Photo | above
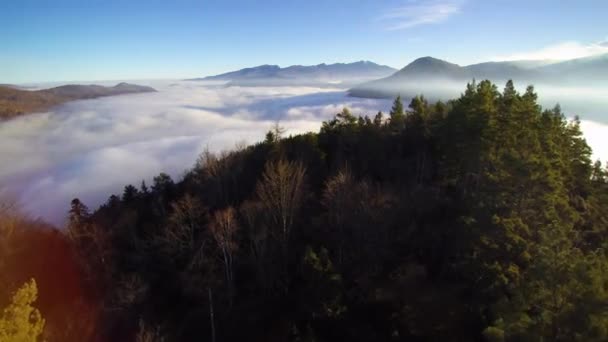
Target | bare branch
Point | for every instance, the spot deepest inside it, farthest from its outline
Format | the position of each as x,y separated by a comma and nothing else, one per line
281,191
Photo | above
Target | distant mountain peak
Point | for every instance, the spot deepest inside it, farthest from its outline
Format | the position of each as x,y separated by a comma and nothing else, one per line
429,61
267,66
431,67
320,74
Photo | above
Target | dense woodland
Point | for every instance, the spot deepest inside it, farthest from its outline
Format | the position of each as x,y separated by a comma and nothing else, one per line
478,219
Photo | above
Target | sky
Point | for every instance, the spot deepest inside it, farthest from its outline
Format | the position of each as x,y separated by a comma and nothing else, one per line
88,40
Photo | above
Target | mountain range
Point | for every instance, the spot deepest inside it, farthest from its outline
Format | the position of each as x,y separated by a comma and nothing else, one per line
435,78
338,74
430,76
440,78
15,101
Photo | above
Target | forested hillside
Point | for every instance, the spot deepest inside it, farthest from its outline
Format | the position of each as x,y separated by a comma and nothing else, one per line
479,219
15,102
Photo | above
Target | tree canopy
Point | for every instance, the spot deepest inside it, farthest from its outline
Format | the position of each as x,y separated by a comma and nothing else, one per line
482,218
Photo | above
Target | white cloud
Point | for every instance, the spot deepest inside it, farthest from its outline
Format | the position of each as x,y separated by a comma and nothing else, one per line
596,135
91,149
421,13
558,52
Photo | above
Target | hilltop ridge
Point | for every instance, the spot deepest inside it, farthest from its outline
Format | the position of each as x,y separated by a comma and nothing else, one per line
15,102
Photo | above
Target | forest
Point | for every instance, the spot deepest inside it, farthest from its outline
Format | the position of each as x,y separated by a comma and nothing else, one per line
482,218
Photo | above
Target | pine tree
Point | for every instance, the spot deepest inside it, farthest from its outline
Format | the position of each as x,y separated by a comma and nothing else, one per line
397,114
345,117
144,188
129,194
78,214
379,119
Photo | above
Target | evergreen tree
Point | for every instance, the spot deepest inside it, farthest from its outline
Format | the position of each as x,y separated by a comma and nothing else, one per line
379,119
397,114
129,194
270,138
162,183
346,118
144,188
78,214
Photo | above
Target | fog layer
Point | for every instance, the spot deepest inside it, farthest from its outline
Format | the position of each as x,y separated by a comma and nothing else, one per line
92,148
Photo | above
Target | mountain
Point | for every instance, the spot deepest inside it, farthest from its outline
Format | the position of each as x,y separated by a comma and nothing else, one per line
430,68
438,79
501,71
262,71
321,74
588,69
422,74
15,102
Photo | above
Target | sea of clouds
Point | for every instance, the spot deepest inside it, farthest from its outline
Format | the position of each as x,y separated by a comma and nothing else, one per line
91,149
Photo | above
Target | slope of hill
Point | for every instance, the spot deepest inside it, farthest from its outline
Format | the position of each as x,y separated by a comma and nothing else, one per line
589,69
15,102
430,68
421,74
441,79
501,71
262,71
338,73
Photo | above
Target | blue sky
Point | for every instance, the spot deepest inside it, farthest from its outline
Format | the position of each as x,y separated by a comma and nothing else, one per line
85,40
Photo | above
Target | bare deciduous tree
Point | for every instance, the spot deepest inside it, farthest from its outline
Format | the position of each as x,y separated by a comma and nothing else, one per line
257,231
220,173
278,130
224,228
182,236
337,196
258,237
339,200
146,333
281,192
130,291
